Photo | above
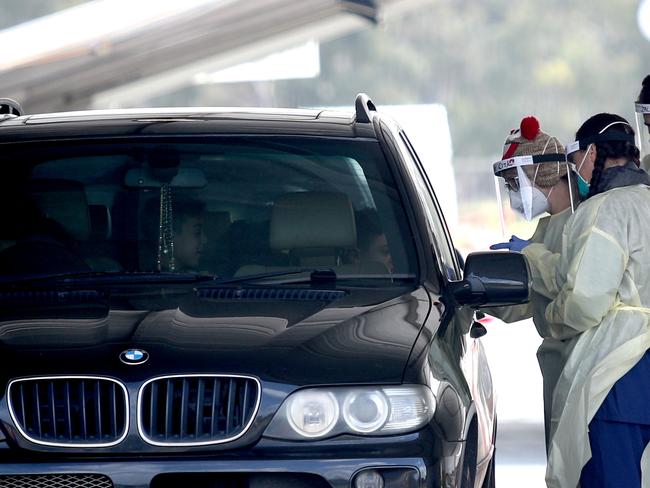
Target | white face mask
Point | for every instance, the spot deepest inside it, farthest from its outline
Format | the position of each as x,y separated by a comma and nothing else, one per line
538,202
515,202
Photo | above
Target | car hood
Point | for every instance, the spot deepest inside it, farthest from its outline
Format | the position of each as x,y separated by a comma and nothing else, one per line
363,337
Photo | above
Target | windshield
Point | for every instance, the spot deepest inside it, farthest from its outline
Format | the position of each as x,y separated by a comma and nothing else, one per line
225,207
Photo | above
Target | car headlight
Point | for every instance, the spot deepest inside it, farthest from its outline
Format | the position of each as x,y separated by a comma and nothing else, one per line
365,411
312,414
316,413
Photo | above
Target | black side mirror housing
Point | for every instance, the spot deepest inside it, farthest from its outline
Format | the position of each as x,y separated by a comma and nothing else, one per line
493,279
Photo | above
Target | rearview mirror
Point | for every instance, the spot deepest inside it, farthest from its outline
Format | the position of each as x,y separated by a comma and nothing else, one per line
145,177
493,279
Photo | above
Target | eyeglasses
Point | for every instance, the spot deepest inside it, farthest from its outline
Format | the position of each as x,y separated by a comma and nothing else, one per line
512,183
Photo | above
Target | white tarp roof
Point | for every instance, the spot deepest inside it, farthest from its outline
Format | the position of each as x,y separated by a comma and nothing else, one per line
112,52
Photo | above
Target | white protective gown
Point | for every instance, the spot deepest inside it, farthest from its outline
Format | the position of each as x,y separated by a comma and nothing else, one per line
601,286
552,353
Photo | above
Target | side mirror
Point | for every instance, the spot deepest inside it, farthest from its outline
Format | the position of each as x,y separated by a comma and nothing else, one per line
493,279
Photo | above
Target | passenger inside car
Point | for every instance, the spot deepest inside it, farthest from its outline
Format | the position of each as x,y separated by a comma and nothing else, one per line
371,240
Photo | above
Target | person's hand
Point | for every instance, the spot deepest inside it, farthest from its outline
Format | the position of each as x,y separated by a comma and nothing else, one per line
514,244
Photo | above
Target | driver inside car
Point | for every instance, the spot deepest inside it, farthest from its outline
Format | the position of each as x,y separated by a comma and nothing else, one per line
189,237
42,245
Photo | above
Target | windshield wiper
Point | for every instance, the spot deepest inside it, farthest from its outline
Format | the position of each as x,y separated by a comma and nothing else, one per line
106,277
350,278
316,275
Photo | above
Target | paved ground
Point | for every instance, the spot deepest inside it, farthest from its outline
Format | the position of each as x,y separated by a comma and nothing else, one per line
520,439
520,455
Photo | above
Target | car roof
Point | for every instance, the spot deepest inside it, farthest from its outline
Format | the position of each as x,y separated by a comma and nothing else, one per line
184,121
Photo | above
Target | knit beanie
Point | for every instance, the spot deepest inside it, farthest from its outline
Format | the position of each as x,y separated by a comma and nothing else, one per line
644,94
529,140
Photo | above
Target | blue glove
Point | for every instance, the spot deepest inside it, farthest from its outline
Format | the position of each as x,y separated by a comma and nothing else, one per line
514,244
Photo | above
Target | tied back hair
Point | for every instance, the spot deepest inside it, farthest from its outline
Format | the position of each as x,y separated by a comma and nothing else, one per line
607,149
644,94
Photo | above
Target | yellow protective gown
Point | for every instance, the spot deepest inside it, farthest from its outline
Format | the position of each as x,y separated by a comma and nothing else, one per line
552,353
602,306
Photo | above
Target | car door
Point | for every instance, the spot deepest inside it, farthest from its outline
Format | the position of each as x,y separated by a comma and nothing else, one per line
473,361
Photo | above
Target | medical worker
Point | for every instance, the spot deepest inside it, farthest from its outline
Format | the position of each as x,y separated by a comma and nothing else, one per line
538,181
600,423
642,109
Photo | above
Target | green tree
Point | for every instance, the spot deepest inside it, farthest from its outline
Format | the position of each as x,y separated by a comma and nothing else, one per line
490,63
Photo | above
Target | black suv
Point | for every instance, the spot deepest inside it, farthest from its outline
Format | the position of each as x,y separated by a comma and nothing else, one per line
237,298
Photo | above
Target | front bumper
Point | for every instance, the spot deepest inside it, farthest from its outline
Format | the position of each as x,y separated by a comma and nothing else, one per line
303,473
416,460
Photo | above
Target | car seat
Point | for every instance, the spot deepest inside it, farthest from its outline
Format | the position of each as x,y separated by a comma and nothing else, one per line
216,252
313,229
64,202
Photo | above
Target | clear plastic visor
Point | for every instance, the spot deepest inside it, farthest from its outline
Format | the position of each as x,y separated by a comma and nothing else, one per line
643,133
522,188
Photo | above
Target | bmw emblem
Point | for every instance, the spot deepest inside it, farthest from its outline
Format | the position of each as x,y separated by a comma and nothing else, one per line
134,356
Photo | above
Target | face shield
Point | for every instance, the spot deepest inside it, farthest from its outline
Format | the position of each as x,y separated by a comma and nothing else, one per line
576,164
643,133
524,184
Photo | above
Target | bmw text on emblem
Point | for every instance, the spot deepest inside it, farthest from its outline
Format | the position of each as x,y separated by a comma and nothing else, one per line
134,356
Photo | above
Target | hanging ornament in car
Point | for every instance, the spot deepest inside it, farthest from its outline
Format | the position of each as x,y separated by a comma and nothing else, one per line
165,259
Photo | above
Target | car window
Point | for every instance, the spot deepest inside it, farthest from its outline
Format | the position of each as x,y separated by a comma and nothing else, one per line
225,206
447,250
443,248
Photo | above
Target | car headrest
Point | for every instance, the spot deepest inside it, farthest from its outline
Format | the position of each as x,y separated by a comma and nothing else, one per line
101,226
63,201
305,220
216,224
